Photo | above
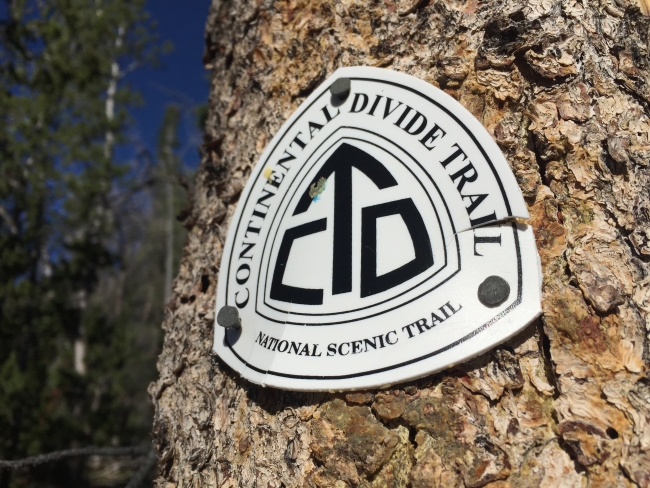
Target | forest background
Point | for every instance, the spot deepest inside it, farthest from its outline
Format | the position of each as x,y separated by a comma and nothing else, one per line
100,122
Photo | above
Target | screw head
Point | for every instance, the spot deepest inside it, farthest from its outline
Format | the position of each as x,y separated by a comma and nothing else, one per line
493,291
340,89
228,317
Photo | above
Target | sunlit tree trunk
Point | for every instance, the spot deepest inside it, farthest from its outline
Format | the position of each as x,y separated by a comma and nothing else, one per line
563,88
80,345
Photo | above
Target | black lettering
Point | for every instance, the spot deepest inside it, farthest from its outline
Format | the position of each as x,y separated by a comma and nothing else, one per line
260,201
314,127
242,304
374,104
416,117
462,174
381,341
435,133
257,213
407,328
372,284
453,310
294,347
364,103
260,336
442,309
286,346
298,141
341,349
407,109
265,342
356,347
249,246
276,179
326,112
250,228
247,272
454,155
387,110
331,350
372,344
341,162
288,293
313,353
482,220
273,344
475,201
285,159
422,325
435,319
304,351
388,337
264,197
485,240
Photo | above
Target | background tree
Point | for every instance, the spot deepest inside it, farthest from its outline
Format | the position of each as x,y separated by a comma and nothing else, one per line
129,300
563,88
70,369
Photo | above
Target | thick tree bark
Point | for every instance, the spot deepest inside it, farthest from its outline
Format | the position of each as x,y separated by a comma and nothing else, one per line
563,88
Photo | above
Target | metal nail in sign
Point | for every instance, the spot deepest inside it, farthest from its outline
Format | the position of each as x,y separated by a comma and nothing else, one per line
374,242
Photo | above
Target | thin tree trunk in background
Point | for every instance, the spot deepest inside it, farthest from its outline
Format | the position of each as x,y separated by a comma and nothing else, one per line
80,342
563,88
111,91
169,236
168,139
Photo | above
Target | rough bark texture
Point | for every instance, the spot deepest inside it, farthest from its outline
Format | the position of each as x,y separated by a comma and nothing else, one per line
563,87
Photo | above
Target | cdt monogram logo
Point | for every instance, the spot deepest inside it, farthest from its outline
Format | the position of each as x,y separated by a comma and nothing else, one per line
374,242
341,163
357,234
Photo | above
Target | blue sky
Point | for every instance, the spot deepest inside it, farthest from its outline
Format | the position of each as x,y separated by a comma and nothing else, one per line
181,79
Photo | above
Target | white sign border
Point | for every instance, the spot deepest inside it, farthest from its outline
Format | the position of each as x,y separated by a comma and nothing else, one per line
515,208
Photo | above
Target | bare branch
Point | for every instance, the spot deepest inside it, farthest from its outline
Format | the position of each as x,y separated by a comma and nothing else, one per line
145,469
122,198
130,68
8,220
68,453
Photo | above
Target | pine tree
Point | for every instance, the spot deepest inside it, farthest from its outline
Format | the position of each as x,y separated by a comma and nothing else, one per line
129,301
63,108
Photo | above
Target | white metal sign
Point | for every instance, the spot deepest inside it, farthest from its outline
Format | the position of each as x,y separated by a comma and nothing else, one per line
374,242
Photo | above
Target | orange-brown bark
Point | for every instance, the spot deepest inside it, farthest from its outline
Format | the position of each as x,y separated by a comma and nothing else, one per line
563,88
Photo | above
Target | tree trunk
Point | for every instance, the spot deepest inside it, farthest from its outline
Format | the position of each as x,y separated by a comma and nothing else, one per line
563,88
